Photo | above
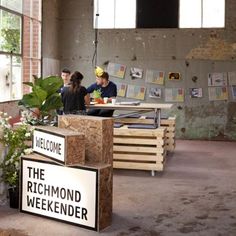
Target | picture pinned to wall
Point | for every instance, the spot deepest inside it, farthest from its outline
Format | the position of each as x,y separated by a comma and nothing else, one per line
218,93
121,89
196,92
136,92
174,95
136,73
155,93
217,79
155,77
174,76
233,88
232,78
116,70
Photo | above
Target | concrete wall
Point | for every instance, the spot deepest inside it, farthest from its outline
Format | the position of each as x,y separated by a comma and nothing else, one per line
191,52
50,37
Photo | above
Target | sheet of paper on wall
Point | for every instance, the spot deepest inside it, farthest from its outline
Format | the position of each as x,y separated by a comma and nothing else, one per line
233,88
136,73
174,76
155,77
116,70
155,93
174,95
121,89
195,92
218,93
136,92
232,78
217,79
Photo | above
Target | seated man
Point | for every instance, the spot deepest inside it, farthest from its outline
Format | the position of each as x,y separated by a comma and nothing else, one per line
108,89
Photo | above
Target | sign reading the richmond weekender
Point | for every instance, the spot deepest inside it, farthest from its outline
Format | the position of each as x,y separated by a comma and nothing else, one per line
50,145
62,193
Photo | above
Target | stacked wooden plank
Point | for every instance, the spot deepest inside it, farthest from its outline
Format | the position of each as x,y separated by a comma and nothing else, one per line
139,149
170,134
168,123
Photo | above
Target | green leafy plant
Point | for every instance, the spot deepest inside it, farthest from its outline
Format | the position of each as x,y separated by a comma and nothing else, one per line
97,94
15,142
44,98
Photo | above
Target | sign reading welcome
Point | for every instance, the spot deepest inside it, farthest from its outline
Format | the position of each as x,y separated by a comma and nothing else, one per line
50,145
62,193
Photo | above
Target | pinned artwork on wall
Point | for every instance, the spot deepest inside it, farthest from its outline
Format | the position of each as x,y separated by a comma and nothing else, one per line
232,78
116,70
155,77
155,93
136,73
174,76
174,95
195,92
217,79
233,88
121,89
218,93
136,92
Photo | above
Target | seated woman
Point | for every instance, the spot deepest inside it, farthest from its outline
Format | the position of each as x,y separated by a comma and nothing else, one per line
75,97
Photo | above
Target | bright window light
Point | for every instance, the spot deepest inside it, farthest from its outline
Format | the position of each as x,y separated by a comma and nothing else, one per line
114,14
202,14
190,14
106,11
213,13
125,14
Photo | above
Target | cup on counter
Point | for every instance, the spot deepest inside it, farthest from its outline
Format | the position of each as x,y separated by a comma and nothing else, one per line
105,100
113,101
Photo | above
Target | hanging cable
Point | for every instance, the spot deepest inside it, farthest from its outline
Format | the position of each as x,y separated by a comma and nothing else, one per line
95,55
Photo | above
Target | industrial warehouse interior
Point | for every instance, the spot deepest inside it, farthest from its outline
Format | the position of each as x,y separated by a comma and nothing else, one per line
117,117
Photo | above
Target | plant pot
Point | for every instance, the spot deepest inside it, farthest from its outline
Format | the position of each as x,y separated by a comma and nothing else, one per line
14,197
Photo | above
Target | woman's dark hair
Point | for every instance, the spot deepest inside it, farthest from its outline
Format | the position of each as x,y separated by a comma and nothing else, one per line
75,81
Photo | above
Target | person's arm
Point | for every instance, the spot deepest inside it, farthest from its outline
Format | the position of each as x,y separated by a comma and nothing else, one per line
87,99
113,93
91,88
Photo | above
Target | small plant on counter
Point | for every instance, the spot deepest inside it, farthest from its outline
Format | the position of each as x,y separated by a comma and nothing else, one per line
44,99
14,141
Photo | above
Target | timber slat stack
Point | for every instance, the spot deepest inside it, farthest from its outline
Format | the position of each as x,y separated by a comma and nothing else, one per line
168,123
170,134
139,149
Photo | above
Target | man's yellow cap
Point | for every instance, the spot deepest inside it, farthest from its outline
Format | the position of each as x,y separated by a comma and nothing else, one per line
99,71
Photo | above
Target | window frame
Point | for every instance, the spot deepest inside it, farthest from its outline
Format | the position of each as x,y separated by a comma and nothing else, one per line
21,54
96,19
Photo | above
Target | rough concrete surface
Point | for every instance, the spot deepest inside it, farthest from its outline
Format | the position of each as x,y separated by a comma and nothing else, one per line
196,195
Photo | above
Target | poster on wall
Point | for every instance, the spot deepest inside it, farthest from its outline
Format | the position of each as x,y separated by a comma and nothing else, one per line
136,92
174,76
155,77
136,73
59,192
195,92
174,95
232,78
234,92
116,70
218,93
121,89
155,93
217,79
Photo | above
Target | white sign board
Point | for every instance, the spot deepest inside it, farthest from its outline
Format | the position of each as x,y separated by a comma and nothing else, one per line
58,192
49,145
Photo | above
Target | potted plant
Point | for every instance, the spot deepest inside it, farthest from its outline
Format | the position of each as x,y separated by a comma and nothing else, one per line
44,99
97,96
14,141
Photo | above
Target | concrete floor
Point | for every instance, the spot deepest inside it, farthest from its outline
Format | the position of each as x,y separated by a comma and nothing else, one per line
196,195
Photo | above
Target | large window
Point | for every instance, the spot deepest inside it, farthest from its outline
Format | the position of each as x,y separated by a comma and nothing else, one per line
117,14
20,46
